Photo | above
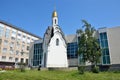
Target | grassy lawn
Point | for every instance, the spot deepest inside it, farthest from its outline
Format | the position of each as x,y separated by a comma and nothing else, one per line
57,75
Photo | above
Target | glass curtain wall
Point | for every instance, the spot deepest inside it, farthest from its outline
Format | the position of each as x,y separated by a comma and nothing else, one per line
37,58
104,47
72,50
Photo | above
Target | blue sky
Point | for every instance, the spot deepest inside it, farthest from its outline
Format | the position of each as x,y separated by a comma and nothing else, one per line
36,15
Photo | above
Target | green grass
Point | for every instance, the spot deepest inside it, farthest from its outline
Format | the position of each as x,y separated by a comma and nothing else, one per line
57,75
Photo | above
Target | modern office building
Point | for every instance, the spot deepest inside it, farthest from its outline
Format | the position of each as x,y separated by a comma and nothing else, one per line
14,44
72,48
108,39
36,53
109,43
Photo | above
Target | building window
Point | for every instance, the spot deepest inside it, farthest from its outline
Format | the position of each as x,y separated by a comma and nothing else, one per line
13,32
10,58
5,42
26,61
11,50
24,36
17,52
55,21
37,57
28,43
22,52
23,42
22,60
104,46
11,44
16,60
72,50
23,47
32,39
7,33
4,50
18,45
3,57
1,31
18,39
19,34
57,42
28,38
12,38
27,47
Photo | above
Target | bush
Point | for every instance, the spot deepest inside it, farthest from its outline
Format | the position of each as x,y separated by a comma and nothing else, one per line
8,68
95,69
39,68
81,69
22,67
116,71
0,69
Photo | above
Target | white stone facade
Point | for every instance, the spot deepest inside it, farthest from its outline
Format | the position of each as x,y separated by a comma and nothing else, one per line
56,48
57,54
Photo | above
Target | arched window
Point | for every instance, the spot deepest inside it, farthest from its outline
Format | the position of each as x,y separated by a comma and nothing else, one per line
55,21
57,42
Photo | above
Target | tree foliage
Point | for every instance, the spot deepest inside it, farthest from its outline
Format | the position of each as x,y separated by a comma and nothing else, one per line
88,44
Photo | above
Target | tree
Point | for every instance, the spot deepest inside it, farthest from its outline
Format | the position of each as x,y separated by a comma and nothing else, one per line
81,50
88,45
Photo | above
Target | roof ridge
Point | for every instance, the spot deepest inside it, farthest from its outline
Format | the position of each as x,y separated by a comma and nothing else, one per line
18,28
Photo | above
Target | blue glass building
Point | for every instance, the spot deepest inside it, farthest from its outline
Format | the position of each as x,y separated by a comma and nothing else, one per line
72,50
105,49
37,57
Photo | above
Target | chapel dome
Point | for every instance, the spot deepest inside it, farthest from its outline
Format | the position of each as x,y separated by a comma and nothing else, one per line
54,14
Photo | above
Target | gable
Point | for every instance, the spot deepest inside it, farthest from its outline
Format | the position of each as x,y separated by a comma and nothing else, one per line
48,35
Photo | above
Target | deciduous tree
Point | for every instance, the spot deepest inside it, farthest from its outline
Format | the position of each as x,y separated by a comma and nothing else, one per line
89,46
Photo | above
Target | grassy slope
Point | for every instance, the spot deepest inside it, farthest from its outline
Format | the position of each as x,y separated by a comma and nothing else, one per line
57,75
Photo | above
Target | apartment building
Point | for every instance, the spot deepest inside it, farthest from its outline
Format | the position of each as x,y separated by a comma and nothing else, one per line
14,44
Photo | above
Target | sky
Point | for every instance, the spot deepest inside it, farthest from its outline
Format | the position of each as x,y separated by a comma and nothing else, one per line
36,15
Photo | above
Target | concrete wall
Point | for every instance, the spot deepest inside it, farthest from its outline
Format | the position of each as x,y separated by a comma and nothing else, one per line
113,35
31,52
73,62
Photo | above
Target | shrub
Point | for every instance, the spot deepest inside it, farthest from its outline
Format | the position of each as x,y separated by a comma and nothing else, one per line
95,69
22,67
0,69
39,68
81,69
116,71
8,68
